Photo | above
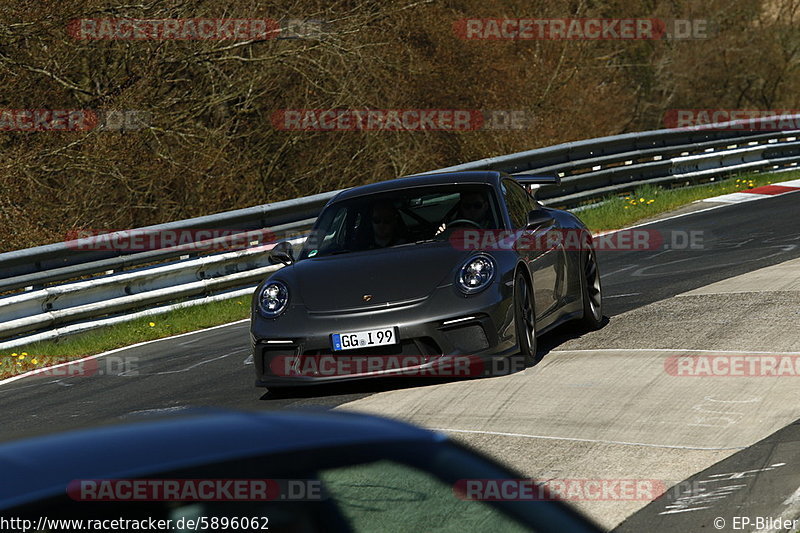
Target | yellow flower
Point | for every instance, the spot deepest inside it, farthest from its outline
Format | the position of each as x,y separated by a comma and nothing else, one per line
650,201
641,199
24,353
14,354
21,357
627,206
35,361
152,324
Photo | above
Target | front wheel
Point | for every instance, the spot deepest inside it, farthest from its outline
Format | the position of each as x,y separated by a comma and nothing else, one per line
525,321
592,293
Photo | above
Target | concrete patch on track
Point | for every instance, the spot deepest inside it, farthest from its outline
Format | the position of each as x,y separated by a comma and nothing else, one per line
784,277
609,405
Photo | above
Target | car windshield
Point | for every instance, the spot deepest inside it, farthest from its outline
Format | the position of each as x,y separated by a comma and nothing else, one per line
402,217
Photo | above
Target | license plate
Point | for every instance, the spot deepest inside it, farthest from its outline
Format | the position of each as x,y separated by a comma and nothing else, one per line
364,339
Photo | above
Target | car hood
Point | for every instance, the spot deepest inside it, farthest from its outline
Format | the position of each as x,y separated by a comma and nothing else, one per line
392,275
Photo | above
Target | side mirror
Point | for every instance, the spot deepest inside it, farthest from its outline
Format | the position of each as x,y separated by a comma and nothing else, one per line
282,253
538,217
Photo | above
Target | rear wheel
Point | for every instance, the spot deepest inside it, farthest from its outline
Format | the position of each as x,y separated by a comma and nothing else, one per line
525,321
592,293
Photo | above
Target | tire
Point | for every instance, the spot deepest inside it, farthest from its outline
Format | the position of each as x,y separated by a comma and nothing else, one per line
592,293
525,322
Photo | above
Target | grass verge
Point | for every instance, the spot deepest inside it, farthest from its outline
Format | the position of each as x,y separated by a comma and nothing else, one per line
647,201
613,213
42,354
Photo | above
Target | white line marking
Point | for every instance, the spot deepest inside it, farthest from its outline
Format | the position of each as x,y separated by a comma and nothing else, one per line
685,510
190,367
659,254
712,399
189,342
156,411
622,295
738,197
574,439
618,271
747,195
97,356
746,352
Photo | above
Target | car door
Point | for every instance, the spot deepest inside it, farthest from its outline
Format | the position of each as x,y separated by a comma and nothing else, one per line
542,255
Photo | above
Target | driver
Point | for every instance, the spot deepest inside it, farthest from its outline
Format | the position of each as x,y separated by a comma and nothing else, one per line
472,206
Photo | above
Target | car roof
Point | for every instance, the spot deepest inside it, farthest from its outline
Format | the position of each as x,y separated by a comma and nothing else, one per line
43,466
488,177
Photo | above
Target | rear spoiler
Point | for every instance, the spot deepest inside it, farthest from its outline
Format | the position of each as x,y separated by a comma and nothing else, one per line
530,179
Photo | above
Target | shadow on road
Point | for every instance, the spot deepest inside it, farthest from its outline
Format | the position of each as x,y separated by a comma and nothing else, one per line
562,334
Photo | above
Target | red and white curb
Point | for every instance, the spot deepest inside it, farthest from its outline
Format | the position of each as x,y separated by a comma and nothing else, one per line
759,193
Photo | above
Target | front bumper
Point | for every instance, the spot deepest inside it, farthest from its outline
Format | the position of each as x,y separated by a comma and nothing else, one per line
295,348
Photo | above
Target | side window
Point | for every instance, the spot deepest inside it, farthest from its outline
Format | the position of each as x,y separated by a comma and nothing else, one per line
518,202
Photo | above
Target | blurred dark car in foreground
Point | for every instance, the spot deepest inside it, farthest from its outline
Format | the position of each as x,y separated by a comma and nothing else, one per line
326,472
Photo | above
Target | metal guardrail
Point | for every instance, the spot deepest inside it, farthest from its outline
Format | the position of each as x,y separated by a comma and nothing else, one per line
589,170
595,168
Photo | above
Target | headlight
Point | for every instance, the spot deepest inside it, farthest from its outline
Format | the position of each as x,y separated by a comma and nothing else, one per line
273,298
476,274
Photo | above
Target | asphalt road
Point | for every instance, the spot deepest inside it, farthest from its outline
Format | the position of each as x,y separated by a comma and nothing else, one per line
749,483
647,302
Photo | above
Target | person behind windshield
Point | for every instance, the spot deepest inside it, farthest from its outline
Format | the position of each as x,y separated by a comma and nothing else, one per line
472,206
386,226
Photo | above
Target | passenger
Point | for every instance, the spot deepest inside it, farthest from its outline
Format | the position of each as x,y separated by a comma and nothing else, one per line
387,226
